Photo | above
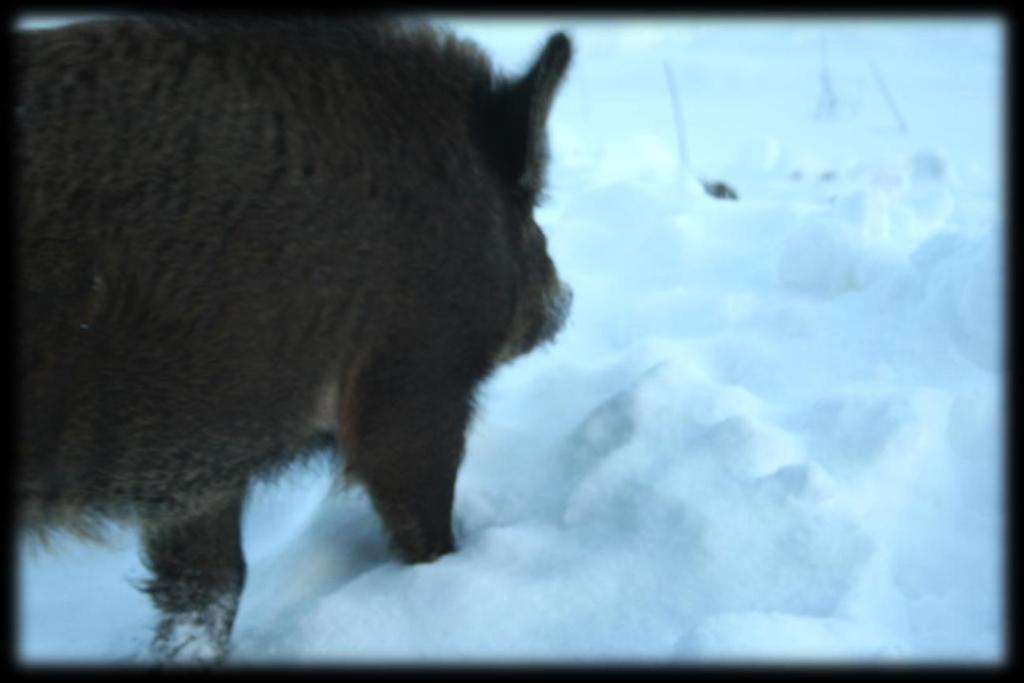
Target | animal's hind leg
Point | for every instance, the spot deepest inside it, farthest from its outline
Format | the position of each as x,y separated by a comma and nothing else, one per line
198,574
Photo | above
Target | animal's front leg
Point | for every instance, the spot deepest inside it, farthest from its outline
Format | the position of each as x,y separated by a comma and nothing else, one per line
403,425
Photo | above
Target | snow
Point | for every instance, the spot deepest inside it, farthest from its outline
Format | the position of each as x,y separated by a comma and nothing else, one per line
772,430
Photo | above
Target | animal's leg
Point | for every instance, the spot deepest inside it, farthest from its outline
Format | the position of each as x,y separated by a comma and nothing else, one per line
403,425
198,574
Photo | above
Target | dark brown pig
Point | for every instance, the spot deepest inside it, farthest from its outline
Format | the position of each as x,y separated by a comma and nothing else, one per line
238,239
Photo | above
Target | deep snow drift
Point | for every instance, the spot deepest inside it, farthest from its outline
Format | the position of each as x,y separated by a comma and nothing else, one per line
772,429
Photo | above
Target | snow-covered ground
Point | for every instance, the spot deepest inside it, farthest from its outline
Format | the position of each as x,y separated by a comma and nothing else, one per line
773,427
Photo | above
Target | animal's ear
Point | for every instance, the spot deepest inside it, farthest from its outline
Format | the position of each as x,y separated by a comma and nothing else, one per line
542,80
516,117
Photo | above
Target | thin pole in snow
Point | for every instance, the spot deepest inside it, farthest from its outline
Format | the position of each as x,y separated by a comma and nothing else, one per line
888,96
677,113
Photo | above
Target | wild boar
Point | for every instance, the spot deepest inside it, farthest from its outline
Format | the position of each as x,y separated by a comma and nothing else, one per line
239,238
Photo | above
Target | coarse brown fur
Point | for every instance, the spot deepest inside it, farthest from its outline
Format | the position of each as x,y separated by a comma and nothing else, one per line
240,237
